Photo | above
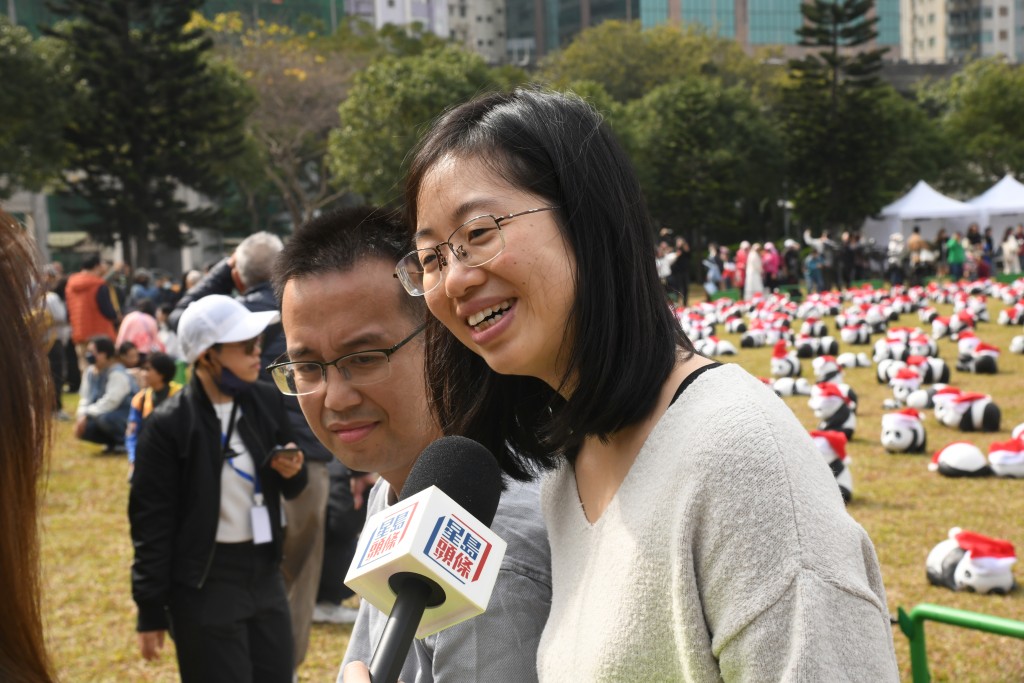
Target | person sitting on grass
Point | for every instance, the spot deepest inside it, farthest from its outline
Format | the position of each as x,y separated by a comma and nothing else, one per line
159,370
105,397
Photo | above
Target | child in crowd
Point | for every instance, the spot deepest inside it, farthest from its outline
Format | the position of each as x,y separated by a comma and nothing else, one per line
158,371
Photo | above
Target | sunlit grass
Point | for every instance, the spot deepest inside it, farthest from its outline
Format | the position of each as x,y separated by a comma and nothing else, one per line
906,510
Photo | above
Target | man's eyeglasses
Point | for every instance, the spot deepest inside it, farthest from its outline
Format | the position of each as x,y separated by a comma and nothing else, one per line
301,377
474,243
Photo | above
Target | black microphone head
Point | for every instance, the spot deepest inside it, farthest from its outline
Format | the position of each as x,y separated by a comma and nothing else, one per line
465,470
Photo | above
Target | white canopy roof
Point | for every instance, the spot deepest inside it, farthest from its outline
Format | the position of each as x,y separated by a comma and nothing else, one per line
924,201
924,207
1006,196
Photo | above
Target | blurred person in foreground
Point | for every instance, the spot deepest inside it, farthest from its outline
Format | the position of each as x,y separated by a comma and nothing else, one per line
205,508
355,354
25,410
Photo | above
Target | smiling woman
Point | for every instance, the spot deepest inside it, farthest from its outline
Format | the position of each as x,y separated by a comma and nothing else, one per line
25,405
686,499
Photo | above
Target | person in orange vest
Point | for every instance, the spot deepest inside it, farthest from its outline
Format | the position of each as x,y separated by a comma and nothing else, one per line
91,310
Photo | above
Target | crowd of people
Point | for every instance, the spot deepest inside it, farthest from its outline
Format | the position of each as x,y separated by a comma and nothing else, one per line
823,263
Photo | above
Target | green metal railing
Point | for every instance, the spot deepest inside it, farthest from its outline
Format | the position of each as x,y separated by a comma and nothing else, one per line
912,626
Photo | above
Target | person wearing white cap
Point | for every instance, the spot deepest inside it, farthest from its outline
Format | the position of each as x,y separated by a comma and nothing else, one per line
205,507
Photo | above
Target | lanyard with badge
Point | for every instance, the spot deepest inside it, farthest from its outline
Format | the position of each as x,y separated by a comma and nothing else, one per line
261,532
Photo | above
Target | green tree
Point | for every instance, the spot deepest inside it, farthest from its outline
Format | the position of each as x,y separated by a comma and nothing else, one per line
708,158
831,115
629,61
298,84
979,110
387,110
33,112
151,117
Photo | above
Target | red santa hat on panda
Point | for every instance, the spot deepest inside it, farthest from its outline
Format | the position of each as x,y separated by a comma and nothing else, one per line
779,351
907,378
972,561
832,444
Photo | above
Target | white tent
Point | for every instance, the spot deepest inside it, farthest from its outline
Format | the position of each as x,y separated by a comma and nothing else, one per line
923,206
1001,206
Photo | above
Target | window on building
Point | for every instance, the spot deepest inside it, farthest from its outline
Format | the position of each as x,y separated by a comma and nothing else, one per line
489,18
480,43
462,11
451,34
501,34
986,36
931,42
497,10
987,12
490,42
1003,35
479,18
931,18
1004,11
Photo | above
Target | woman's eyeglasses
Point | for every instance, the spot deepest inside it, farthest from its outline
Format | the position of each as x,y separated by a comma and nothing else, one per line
474,243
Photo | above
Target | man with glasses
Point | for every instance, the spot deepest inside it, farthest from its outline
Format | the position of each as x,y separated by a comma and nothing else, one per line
355,359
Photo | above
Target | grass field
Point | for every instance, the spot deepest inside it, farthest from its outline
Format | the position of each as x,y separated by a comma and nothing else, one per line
906,510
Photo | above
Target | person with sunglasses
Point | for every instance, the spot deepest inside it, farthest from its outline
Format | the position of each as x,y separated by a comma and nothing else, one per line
696,534
205,507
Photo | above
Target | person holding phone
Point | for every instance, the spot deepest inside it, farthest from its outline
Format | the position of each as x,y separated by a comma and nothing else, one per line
205,507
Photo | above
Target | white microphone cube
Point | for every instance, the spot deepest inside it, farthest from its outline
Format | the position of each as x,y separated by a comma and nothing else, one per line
430,535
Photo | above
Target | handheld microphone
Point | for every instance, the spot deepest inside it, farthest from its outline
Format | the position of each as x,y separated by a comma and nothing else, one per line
430,561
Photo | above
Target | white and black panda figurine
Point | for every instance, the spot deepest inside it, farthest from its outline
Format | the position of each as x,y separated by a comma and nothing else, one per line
924,398
968,561
735,325
904,382
832,445
858,335
932,370
827,369
713,346
833,409
755,337
983,359
960,459
971,412
903,432
849,359
791,386
887,369
813,327
1017,344
1014,315
1006,458
809,347
785,363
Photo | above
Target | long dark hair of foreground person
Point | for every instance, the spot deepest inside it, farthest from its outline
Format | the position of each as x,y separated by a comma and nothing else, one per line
25,418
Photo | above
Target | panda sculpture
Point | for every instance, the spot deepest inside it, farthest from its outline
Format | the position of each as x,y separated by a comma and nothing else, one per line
809,347
713,346
857,335
827,369
791,386
932,370
853,360
960,459
887,369
813,327
1006,458
735,325
903,432
784,363
1017,344
967,561
981,359
832,446
1014,315
970,412
904,382
833,409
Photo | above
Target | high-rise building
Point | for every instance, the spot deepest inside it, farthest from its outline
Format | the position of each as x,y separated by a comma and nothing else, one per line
539,26
941,31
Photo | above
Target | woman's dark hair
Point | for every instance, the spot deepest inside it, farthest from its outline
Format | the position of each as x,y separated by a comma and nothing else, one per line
146,306
163,364
26,404
625,339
